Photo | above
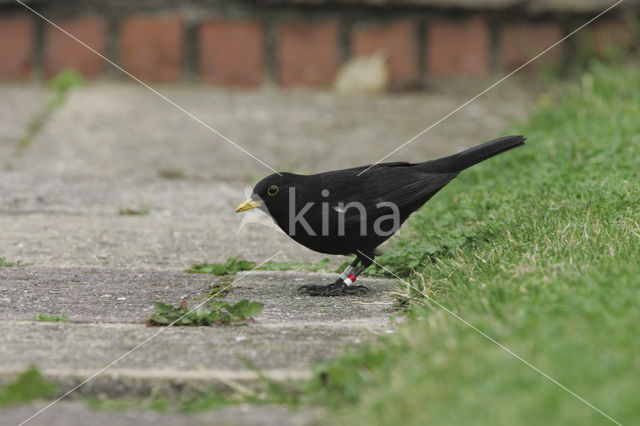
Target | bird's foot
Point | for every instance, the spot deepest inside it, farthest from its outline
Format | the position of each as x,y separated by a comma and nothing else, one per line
339,288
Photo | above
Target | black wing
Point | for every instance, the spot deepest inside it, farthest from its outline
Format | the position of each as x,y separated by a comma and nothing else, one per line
399,183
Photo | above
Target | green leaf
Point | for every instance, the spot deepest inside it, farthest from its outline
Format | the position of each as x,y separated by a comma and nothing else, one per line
214,312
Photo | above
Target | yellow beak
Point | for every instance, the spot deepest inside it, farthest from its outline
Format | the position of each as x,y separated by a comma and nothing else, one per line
248,205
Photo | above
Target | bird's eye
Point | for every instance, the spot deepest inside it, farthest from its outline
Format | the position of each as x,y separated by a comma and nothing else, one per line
272,190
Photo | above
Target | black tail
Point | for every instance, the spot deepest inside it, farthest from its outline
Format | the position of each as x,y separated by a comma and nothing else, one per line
465,159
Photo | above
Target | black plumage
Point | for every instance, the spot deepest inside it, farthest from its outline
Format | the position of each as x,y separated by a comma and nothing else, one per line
352,211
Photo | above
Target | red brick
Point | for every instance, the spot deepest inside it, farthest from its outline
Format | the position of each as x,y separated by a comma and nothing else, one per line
521,42
151,47
308,53
612,36
16,47
398,41
231,53
458,47
61,51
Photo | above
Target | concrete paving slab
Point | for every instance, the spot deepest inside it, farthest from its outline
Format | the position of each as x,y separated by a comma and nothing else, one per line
208,352
109,129
20,104
97,295
91,195
107,309
154,242
70,413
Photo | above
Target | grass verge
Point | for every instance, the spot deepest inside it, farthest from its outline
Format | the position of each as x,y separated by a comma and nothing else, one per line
539,248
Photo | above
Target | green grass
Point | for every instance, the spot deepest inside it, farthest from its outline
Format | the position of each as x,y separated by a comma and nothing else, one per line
29,385
540,249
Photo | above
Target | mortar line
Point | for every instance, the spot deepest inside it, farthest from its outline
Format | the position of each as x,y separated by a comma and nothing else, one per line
189,114
500,345
492,86
163,329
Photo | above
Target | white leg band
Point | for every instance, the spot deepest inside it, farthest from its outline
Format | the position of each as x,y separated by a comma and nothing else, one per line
350,280
345,275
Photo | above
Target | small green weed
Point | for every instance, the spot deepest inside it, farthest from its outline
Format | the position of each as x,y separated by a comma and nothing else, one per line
4,262
142,210
29,385
172,174
52,318
61,84
214,312
220,289
233,265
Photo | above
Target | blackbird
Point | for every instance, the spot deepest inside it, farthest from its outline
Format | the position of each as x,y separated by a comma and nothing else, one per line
353,211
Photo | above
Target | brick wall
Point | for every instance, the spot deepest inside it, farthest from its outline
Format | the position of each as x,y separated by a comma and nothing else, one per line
250,44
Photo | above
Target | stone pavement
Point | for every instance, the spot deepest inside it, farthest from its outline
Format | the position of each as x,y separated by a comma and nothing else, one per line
77,414
114,147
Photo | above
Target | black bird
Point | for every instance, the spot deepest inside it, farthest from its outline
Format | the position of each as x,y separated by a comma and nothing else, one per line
353,211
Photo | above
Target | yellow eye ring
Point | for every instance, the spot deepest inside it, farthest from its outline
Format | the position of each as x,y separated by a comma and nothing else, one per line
273,190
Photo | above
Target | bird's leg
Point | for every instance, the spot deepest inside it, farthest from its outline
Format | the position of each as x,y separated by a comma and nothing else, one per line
342,286
357,289
365,264
345,274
